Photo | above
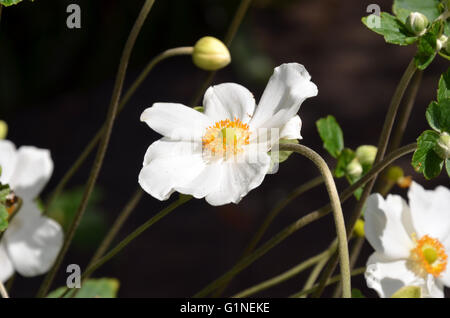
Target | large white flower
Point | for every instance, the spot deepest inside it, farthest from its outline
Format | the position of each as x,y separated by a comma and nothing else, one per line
411,243
221,154
32,241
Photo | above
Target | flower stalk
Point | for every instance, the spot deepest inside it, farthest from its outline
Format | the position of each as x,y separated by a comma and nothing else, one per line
112,113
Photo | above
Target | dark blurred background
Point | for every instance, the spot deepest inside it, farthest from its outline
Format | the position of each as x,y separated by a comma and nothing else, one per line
56,83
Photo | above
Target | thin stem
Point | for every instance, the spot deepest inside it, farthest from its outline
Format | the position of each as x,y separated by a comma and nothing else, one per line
331,281
1,9
132,236
179,51
112,113
234,26
3,291
123,216
317,269
287,274
381,149
354,254
271,216
337,211
303,221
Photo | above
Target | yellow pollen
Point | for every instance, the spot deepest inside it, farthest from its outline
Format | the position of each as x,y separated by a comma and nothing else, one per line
430,254
226,137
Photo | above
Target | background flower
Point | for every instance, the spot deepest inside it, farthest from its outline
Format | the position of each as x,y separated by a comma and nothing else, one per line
31,242
411,243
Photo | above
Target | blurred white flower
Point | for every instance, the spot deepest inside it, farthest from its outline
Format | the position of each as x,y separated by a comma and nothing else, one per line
411,243
221,154
31,242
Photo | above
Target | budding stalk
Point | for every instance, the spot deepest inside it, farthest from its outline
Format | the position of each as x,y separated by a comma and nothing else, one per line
417,23
210,54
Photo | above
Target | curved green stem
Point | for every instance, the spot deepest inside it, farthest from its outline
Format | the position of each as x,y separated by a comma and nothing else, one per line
112,112
354,253
234,26
271,216
136,233
331,281
381,150
287,274
123,216
179,51
318,268
336,208
303,221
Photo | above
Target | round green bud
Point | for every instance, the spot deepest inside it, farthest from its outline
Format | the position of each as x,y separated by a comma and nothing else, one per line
359,228
210,54
3,129
417,23
366,154
394,173
442,147
354,168
441,42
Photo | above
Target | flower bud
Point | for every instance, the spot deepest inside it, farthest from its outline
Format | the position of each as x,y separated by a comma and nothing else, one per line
442,147
417,23
366,154
441,42
354,168
3,129
210,54
359,228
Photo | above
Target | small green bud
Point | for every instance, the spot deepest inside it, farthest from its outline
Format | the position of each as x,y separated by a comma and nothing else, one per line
3,129
210,54
359,228
354,168
441,42
366,154
442,147
417,23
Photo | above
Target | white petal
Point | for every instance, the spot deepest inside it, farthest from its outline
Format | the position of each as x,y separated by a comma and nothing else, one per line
176,121
434,288
8,158
6,267
238,178
169,164
430,210
291,130
444,278
34,168
288,87
229,101
387,276
33,241
385,226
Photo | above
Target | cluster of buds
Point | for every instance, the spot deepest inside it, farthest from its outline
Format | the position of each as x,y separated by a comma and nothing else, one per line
365,155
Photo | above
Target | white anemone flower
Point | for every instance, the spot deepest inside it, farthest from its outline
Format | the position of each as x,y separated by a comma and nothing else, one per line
411,243
221,154
32,241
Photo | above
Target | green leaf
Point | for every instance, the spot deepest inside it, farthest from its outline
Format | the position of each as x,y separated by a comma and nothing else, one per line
92,288
438,115
3,218
356,293
408,292
402,8
346,156
393,30
4,191
331,134
8,3
444,86
425,160
199,109
281,156
426,47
